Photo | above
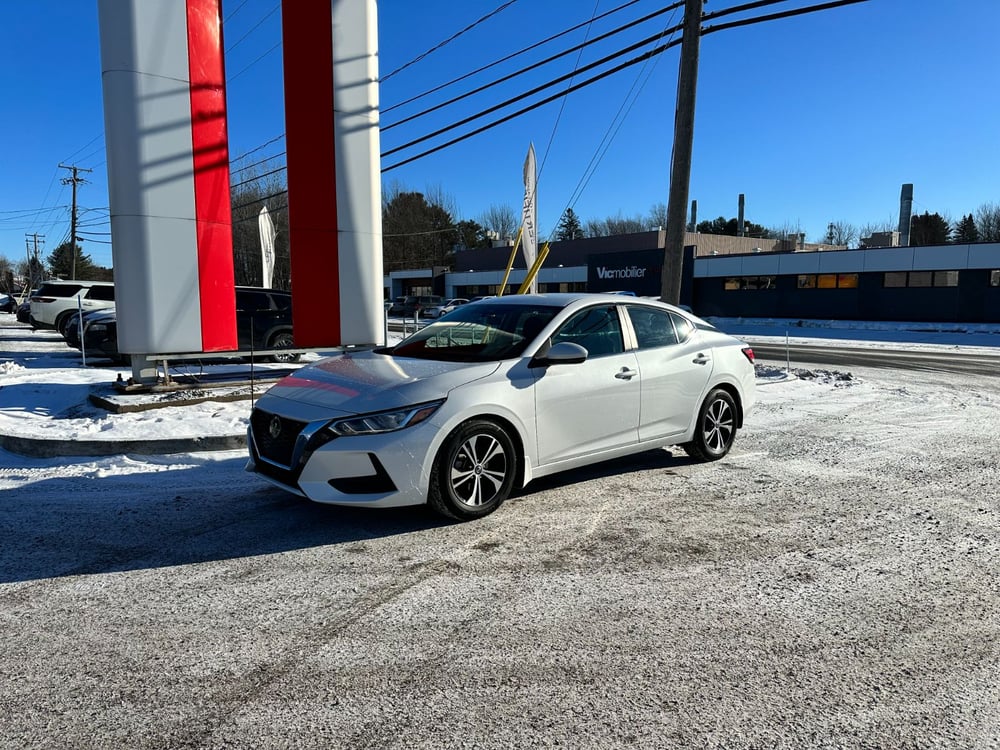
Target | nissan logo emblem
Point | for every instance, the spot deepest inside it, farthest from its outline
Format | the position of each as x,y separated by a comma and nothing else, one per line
274,428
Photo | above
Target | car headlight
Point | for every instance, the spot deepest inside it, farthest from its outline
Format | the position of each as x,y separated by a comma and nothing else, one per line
96,328
385,421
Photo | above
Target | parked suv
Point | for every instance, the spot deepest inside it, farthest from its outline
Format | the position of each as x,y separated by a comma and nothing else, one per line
55,301
412,303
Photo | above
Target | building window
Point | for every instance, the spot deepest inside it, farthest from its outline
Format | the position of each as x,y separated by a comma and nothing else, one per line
847,281
827,281
807,281
946,278
921,278
994,278
734,283
894,279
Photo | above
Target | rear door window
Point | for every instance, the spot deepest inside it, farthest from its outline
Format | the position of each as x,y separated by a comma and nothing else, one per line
652,327
251,301
58,290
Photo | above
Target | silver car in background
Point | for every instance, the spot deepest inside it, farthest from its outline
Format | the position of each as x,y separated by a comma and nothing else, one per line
444,308
497,393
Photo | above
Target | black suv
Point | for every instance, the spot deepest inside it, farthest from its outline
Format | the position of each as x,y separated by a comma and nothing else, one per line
412,303
263,321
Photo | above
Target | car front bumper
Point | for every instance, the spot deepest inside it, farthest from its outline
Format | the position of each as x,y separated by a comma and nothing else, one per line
380,470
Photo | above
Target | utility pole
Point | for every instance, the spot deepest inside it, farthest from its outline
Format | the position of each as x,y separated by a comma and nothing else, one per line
74,181
680,163
33,256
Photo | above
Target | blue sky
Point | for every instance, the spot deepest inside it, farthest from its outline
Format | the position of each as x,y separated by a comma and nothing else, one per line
816,118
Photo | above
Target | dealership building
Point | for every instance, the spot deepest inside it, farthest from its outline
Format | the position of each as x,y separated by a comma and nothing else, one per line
747,277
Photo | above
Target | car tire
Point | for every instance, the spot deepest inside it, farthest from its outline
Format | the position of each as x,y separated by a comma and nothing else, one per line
283,340
474,471
61,322
715,430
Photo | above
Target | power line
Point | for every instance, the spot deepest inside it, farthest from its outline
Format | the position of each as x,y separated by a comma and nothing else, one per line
538,89
610,134
576,87
546,61
237,10
507,58
450,39
254,62
776,16
253,28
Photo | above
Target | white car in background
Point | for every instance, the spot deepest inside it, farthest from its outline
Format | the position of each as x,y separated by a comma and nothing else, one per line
445,307
500,392
56,301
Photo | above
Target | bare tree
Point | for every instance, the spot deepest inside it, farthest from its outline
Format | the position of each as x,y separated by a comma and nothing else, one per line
502,219
657,216
256,186
615,225
436,196
841,233
988,222
891,224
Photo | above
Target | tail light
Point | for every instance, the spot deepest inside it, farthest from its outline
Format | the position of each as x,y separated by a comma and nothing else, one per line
748,353
43,299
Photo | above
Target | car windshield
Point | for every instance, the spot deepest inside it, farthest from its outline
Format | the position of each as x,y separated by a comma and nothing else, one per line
482,332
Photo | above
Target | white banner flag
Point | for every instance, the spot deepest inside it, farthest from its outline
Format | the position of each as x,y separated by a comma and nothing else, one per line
267,233
529,225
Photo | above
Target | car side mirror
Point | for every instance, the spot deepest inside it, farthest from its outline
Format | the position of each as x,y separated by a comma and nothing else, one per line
563,353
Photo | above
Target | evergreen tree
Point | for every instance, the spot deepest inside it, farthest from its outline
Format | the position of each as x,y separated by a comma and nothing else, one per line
416,233
731,227
60,263
471,235
569,227
965,230
929,229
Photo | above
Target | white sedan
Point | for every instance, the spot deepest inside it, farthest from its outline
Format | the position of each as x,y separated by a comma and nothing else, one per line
498,393
445,307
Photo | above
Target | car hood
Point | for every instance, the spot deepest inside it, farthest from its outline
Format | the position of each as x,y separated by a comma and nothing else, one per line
362,382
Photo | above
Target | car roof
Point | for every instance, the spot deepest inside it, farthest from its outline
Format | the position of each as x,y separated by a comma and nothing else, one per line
75,282
565,299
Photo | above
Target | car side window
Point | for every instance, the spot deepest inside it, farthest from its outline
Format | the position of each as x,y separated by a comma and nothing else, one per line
652,327
596,329
103,293
251,301
280,301
682,326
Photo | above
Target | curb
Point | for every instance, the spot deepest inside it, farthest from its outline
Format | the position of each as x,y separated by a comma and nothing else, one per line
54,448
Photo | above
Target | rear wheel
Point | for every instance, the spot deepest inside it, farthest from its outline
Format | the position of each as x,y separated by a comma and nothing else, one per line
474,471
284,340
716,427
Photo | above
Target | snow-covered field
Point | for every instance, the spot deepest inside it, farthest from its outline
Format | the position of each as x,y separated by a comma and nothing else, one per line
834,582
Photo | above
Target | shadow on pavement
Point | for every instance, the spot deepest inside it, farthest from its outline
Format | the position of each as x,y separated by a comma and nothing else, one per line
71,526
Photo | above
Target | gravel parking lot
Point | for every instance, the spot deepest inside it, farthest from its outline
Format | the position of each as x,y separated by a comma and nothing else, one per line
833,583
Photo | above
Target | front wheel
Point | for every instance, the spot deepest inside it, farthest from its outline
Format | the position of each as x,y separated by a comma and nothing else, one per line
716,427
474,471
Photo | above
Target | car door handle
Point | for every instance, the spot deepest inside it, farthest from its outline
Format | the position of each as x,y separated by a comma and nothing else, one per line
626,374
701,359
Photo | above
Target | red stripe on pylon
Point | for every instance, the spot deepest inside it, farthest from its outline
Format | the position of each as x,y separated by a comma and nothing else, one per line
307,31
210,148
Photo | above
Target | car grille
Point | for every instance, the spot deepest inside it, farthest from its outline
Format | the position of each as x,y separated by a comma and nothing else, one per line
277,448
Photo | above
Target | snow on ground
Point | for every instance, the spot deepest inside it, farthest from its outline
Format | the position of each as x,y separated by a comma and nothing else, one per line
832,583
919,336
